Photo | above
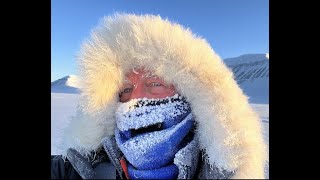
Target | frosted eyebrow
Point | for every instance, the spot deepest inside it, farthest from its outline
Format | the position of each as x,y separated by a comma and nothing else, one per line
149,75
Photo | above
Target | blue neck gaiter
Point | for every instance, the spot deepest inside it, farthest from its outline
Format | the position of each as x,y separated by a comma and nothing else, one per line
150,132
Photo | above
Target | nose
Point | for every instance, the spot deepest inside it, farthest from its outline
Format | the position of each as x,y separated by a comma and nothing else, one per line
138,92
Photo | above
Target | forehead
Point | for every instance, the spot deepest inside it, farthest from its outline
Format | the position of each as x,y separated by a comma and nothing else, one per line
139,73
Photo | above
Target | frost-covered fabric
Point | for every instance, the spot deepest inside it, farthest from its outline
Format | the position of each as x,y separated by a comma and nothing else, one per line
143,112
151,149
186,160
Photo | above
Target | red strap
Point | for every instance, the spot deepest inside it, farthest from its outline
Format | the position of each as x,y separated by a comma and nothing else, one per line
124,167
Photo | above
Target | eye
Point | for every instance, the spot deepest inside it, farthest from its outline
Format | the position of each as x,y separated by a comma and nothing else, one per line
126,90
153,84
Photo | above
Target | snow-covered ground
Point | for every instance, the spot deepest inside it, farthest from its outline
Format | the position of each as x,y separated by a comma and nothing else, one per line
63,105
263,111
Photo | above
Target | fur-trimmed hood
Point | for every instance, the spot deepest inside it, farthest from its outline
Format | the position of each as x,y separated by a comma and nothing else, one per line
228,128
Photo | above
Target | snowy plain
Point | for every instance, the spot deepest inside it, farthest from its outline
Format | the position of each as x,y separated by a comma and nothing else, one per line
63,106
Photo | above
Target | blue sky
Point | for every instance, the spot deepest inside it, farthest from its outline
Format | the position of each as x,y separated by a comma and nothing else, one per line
232,27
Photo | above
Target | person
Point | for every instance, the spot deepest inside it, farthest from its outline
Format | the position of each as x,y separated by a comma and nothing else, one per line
158,103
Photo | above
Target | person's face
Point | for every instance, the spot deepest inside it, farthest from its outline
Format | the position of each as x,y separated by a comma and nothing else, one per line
140,84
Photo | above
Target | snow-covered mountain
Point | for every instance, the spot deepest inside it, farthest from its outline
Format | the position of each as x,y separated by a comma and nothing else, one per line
251,72
68,84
